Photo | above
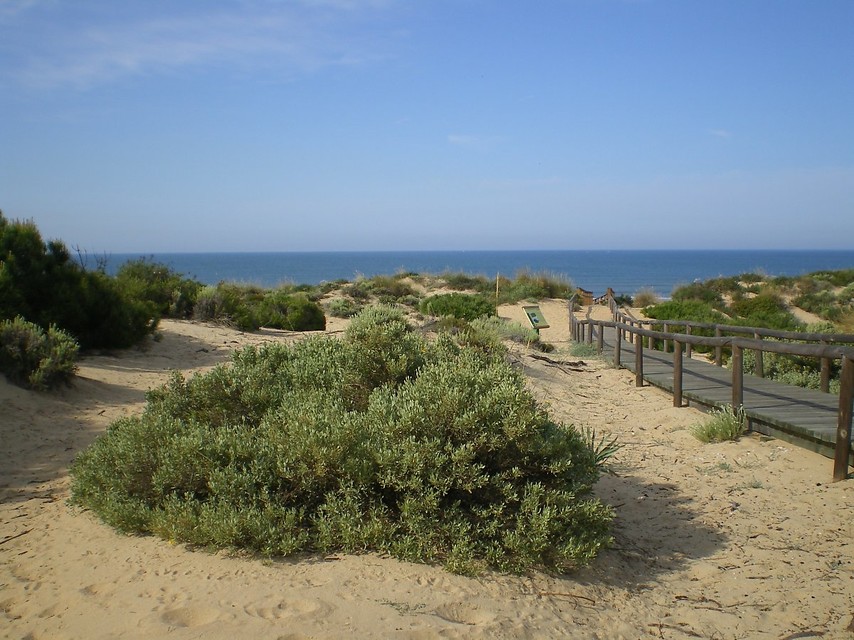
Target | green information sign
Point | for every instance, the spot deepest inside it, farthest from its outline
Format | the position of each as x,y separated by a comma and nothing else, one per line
536,317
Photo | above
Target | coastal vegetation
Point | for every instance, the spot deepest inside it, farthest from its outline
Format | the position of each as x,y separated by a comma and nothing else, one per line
249,308
384,440
769,302
41,282
34,358
459,305
724,424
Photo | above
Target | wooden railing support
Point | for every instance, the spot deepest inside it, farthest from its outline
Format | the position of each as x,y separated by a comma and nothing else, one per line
825,373
737,377
843,429
719,350
600,339
666,343
759,365
638,360
618,345
688,345
677,373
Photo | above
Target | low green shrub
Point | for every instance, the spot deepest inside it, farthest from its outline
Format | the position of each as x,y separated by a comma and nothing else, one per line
839,278
459,305
230,304
506,330
359,290
34,358
291,311
342,308
248,307
172,295
725,424
465,282
765,310
429,451
390,289
698,292
685,309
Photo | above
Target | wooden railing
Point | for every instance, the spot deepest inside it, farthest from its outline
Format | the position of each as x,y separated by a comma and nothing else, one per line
826,347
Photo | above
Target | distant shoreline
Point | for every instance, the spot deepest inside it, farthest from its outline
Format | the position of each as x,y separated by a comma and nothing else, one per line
626,271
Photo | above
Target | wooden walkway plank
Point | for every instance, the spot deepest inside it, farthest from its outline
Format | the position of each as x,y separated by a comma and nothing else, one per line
804,417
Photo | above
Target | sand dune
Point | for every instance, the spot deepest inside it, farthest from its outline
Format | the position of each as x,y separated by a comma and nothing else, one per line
736,540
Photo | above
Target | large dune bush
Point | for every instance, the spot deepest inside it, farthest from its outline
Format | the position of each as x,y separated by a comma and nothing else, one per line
428,451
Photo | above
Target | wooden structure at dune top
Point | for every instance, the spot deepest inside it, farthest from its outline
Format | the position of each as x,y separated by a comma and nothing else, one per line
817,420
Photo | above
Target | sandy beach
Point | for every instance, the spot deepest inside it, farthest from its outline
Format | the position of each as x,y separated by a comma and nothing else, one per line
749,539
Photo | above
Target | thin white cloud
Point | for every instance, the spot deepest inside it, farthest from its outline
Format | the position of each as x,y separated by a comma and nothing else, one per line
279,38
720,133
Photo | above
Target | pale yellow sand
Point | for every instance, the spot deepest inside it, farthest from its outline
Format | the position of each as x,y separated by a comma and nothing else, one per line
737,540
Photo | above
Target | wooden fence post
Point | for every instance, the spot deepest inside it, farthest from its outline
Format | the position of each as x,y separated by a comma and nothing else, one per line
737,377
666,343
688,345
843,429
677,373
825,372
638,360
618,344
759,367
718,349
600,339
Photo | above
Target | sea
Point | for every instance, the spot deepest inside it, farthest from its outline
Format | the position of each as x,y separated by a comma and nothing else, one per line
627,272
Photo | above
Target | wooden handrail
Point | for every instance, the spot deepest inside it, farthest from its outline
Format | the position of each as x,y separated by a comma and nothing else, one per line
829,348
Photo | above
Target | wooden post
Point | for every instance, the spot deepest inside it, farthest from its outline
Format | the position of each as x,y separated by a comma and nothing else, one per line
677,373
737,377
666,343
638,360
589,332
718,349
688,344
843,428
617,347
825,372
571,321
600,339
759,367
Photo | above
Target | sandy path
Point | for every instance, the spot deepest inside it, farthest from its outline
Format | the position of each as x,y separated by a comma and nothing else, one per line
736,540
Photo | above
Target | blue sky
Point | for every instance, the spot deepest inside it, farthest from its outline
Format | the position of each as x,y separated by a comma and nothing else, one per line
271,125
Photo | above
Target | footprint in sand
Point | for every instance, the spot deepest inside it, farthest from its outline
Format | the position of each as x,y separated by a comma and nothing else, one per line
464,614
98,589
191,616
275,609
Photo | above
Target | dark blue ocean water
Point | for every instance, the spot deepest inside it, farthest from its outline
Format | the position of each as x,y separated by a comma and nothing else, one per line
624,271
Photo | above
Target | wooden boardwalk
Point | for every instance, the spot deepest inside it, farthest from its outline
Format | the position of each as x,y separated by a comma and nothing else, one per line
803,417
